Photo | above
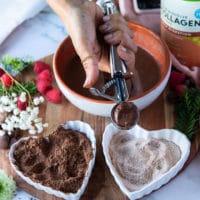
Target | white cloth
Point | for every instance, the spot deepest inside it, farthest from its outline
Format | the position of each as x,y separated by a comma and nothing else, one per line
14,12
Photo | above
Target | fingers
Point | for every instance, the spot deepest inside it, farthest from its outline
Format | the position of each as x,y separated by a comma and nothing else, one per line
128,56
113,23
116,31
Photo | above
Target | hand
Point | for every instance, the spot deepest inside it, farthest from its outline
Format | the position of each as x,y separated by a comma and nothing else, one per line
81,19
117,32
192,72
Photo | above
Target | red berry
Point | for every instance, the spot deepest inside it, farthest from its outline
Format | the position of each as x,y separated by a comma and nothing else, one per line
39,66
180,89
176,78
43,86
6,80
45,75
54,96
21,105
1,72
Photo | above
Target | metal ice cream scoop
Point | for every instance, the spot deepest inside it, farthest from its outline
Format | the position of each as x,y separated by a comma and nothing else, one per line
119,75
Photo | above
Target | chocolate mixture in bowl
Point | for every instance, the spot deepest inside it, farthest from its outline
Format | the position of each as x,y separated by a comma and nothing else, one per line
148,69
59,161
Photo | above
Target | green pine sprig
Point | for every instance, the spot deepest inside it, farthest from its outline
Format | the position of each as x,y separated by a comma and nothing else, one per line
187,111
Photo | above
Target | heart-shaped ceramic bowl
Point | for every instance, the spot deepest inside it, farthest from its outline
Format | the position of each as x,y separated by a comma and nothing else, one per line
75,125
169,134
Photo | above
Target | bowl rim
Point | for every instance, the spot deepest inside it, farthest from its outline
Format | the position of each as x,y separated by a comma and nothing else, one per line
102,101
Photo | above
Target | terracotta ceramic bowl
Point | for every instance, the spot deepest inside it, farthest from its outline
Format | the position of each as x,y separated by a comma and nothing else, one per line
152,62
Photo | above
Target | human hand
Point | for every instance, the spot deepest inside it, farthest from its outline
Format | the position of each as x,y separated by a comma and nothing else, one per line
192,72
82,19
116,32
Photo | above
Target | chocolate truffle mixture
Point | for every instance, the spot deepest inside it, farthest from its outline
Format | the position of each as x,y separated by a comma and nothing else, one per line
59,161
125,115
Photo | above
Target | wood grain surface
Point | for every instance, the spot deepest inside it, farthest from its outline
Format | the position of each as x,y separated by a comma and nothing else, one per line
101,184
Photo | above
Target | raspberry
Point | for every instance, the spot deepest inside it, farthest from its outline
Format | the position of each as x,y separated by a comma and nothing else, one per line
45,75
1,72
6,80
39,66
43,86
180,89
21,105
176,78
54,96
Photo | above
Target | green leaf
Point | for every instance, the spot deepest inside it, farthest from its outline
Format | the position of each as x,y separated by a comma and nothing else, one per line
14,65
29,86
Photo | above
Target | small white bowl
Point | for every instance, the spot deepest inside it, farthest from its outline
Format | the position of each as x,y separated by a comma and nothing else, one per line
169,134
75,125
145,39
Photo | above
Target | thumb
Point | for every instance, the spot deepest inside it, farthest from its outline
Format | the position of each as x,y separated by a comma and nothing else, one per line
90,65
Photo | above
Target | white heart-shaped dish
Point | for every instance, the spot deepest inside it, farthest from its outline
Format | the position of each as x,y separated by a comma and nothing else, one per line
168,134
74,125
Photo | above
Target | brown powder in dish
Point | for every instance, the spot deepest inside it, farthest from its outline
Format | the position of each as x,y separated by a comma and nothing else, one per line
59,161
138,161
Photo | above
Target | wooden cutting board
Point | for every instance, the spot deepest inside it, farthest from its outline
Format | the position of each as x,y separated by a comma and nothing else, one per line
101,184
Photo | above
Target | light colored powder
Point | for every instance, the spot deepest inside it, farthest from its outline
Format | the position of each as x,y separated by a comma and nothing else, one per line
138,161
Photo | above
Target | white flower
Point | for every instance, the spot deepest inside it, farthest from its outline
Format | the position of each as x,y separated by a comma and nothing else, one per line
38,125
23,126
45,125
9,132
40,130
10,126
36,101
22,97
7,108
2,132
13,106
37,120
35,110
28,109
4,126
15,99
28,119
16,111
32,131
1,108
14,94
4,100
41,99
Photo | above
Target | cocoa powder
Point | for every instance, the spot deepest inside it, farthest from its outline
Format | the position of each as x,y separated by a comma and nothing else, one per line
59,161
